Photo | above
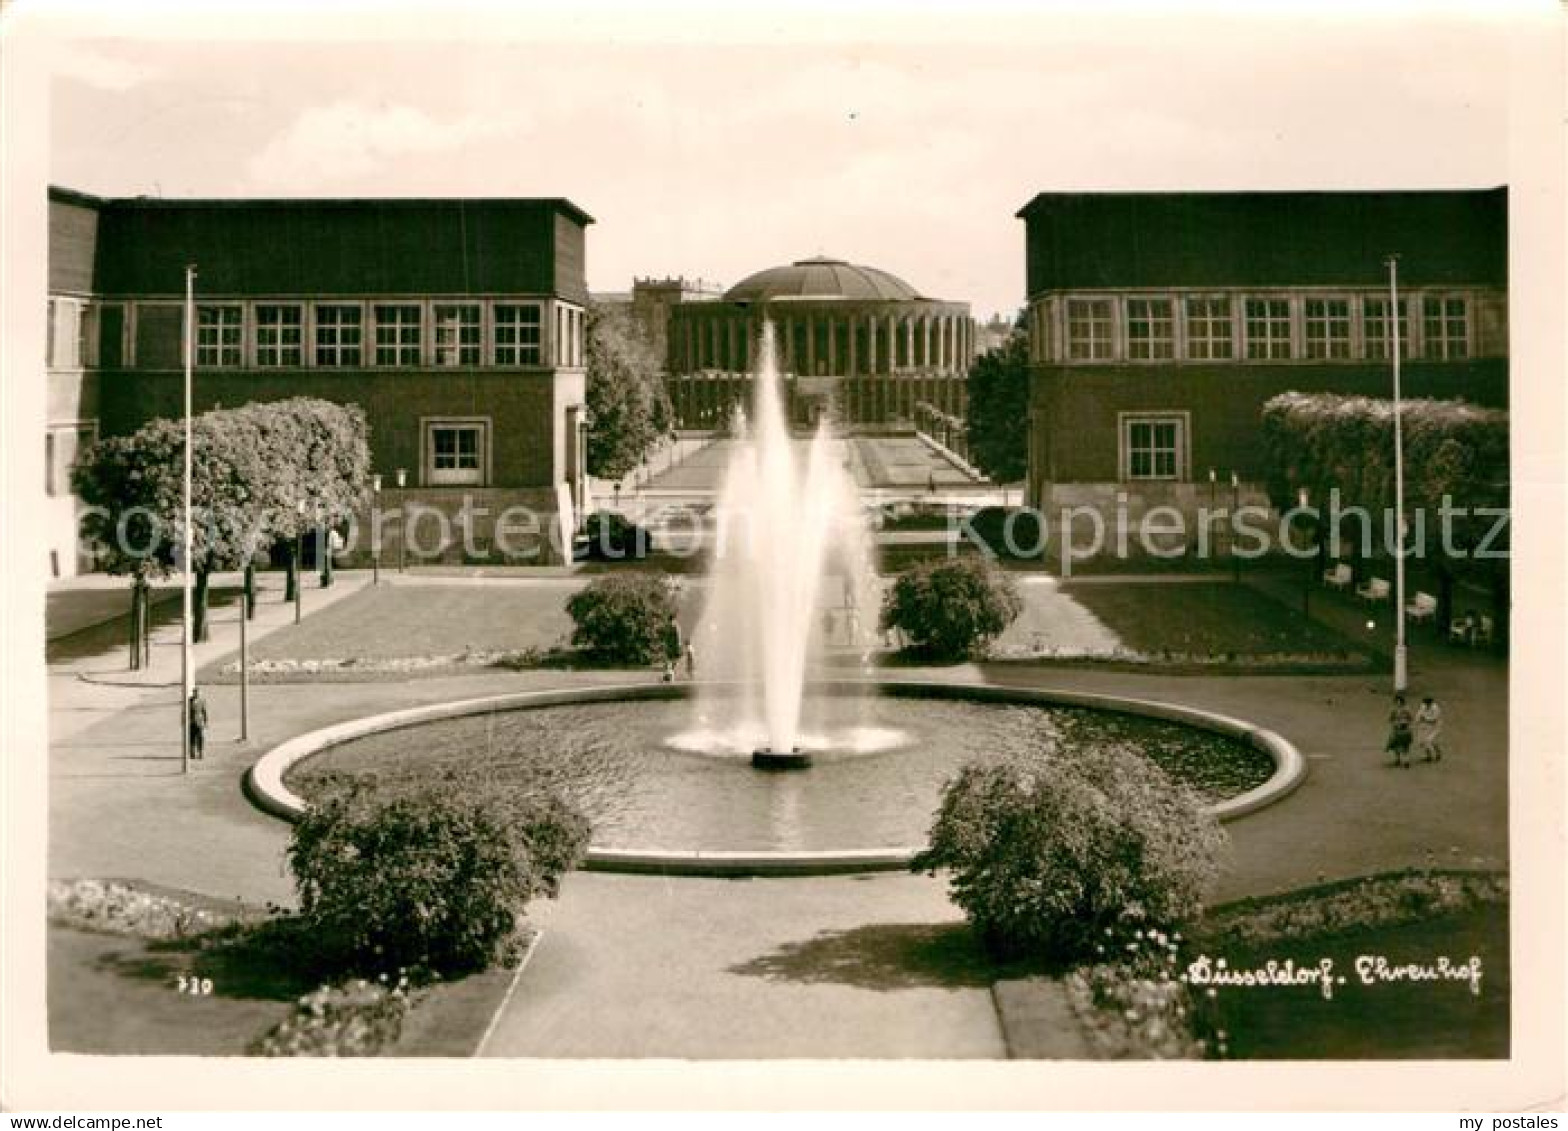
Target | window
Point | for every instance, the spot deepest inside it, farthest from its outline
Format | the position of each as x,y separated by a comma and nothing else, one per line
397,334
218,336
1328,328
517,334
1268,329
340,335
1446,328
1089,329
1375,325
279,335
455,453
1151,329
1153,447
457,334
49,339
1209,336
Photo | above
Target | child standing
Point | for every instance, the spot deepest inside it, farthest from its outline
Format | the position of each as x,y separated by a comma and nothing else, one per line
1399,721
1429,730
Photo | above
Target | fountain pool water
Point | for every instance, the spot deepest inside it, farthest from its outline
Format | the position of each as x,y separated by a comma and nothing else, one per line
792,578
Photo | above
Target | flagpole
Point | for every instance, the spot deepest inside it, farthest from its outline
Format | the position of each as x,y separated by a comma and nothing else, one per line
185,558
1401,657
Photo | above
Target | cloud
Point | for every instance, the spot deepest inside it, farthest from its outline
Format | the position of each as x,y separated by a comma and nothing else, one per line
101,70
345,141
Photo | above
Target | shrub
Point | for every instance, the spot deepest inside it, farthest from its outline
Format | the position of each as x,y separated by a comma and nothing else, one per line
951,607
1007,532
624,618
431,881
1048,853
611,536
358,1018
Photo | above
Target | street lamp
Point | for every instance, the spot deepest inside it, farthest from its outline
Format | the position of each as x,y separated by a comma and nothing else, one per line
299,559
1310,523
375,529
402,519
1401,658
1208,522
1235,505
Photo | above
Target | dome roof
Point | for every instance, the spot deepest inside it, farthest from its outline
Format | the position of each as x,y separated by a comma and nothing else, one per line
821,279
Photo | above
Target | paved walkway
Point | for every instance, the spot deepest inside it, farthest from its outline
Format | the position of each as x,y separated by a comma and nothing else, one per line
832,966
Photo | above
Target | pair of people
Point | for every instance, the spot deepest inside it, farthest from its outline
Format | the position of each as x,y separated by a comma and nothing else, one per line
1424,727
675,650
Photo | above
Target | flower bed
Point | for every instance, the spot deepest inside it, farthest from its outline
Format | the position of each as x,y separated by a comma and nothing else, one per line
119,907
357,1018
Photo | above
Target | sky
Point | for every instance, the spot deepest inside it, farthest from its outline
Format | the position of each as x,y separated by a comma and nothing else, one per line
902,137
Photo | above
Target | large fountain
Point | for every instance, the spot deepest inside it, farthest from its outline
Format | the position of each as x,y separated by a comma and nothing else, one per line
792,580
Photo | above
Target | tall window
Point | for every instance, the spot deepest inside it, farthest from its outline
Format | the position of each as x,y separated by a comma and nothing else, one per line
457,334
1151,329
1268,329
1090,330
1328,328
218,336
1209,335
517,334
279,335
340,335
1446,327
1374,312
1152,447
397,334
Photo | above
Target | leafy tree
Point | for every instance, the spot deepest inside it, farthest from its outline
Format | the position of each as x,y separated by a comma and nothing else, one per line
628,406
998,413
1048,851
1453,450
951,607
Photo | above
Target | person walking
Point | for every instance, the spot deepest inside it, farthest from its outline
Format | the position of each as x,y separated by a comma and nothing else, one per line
691,661
1399,722
1429,730
198,723
674,647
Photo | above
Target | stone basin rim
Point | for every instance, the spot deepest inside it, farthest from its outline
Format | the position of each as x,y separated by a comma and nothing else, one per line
263,781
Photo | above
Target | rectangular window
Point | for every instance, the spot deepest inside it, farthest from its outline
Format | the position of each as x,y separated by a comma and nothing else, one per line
457,334
340,335
1090,330
1374,312
279,335
1268,329
49,338
1151,329
1446,327
1152,447
1209,336
218,336
397,334
455,453
517,334
1328,328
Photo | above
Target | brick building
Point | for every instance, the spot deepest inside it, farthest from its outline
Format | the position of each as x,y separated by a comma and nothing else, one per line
457,325
1160,323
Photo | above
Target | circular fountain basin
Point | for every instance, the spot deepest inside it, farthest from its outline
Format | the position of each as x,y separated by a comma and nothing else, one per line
677,811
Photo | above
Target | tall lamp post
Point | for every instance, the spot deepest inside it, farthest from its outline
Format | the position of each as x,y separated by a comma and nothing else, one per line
1401,656
1235,505
299,561
375,529
402,519
186,667
1309,524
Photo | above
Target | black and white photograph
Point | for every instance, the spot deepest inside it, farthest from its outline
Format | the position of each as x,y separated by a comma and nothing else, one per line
855,555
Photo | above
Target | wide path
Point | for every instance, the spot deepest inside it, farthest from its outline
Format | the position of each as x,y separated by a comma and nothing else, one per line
631,966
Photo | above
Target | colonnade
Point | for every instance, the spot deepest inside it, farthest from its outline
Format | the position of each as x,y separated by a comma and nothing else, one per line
707,399
938,337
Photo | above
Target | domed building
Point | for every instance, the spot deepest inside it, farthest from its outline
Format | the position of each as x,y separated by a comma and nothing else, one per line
854,342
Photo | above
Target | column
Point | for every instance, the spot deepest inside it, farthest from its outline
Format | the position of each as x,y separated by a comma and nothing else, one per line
811,344
833,365
852,365
925,343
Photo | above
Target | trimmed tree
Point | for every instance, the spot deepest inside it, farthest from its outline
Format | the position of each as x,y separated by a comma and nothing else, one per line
998,411
624,618
1455,455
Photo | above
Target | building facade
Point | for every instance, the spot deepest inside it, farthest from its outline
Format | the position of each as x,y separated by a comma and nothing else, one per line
457,325
1160,324
854,343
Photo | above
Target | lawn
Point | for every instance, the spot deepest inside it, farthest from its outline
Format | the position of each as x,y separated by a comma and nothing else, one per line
1213,619
1386,1020
395,621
